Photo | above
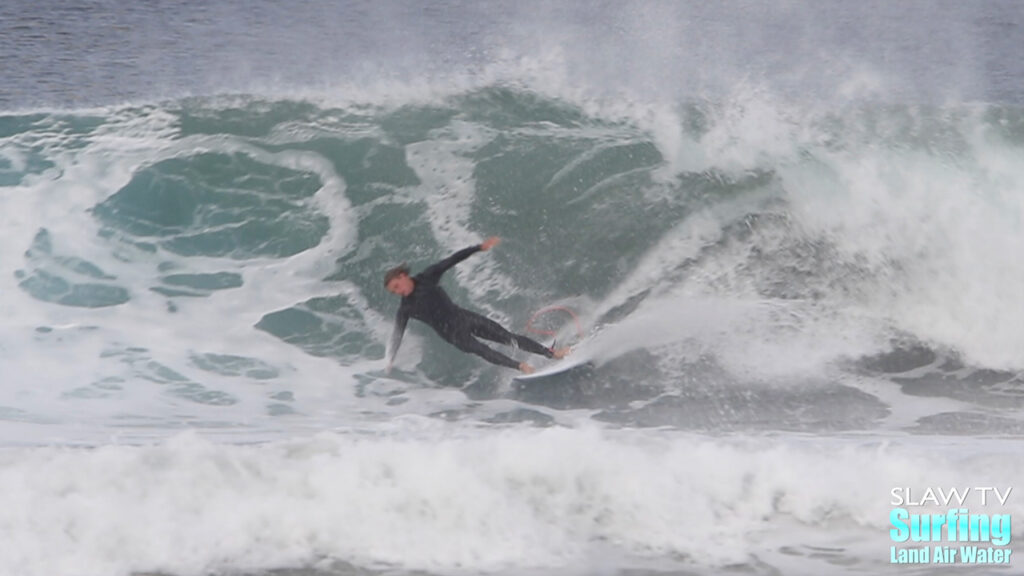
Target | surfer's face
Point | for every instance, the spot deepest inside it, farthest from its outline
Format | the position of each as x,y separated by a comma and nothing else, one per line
401,285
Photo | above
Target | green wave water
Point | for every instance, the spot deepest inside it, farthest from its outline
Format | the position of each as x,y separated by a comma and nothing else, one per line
754,223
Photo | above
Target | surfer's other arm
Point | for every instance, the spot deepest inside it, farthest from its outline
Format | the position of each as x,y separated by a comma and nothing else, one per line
433,273
401,319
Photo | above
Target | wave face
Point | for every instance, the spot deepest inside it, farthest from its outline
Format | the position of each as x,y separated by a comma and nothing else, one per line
763,263
790,241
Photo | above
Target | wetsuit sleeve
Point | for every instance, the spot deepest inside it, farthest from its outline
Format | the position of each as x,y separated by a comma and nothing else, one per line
433,273
401,319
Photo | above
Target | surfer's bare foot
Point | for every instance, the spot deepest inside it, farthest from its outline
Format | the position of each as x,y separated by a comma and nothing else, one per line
525,368
559,353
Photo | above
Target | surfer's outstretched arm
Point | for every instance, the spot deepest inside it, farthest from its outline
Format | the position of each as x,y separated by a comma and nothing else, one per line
433,273
401,319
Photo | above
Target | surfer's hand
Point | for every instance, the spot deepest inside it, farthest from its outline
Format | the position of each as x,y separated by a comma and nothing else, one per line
490,243
525,368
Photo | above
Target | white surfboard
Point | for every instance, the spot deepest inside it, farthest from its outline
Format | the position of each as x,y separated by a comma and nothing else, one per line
557,367
581,354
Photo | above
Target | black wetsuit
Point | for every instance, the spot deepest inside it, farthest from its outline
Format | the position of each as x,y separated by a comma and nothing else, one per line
429,303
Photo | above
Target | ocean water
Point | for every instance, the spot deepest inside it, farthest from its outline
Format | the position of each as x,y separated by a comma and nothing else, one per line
791,233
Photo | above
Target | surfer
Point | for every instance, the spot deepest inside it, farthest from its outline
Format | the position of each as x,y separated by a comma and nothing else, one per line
425,300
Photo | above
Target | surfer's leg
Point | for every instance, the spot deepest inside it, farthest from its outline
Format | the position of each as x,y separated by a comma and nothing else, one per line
483,327
532,346
467,343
